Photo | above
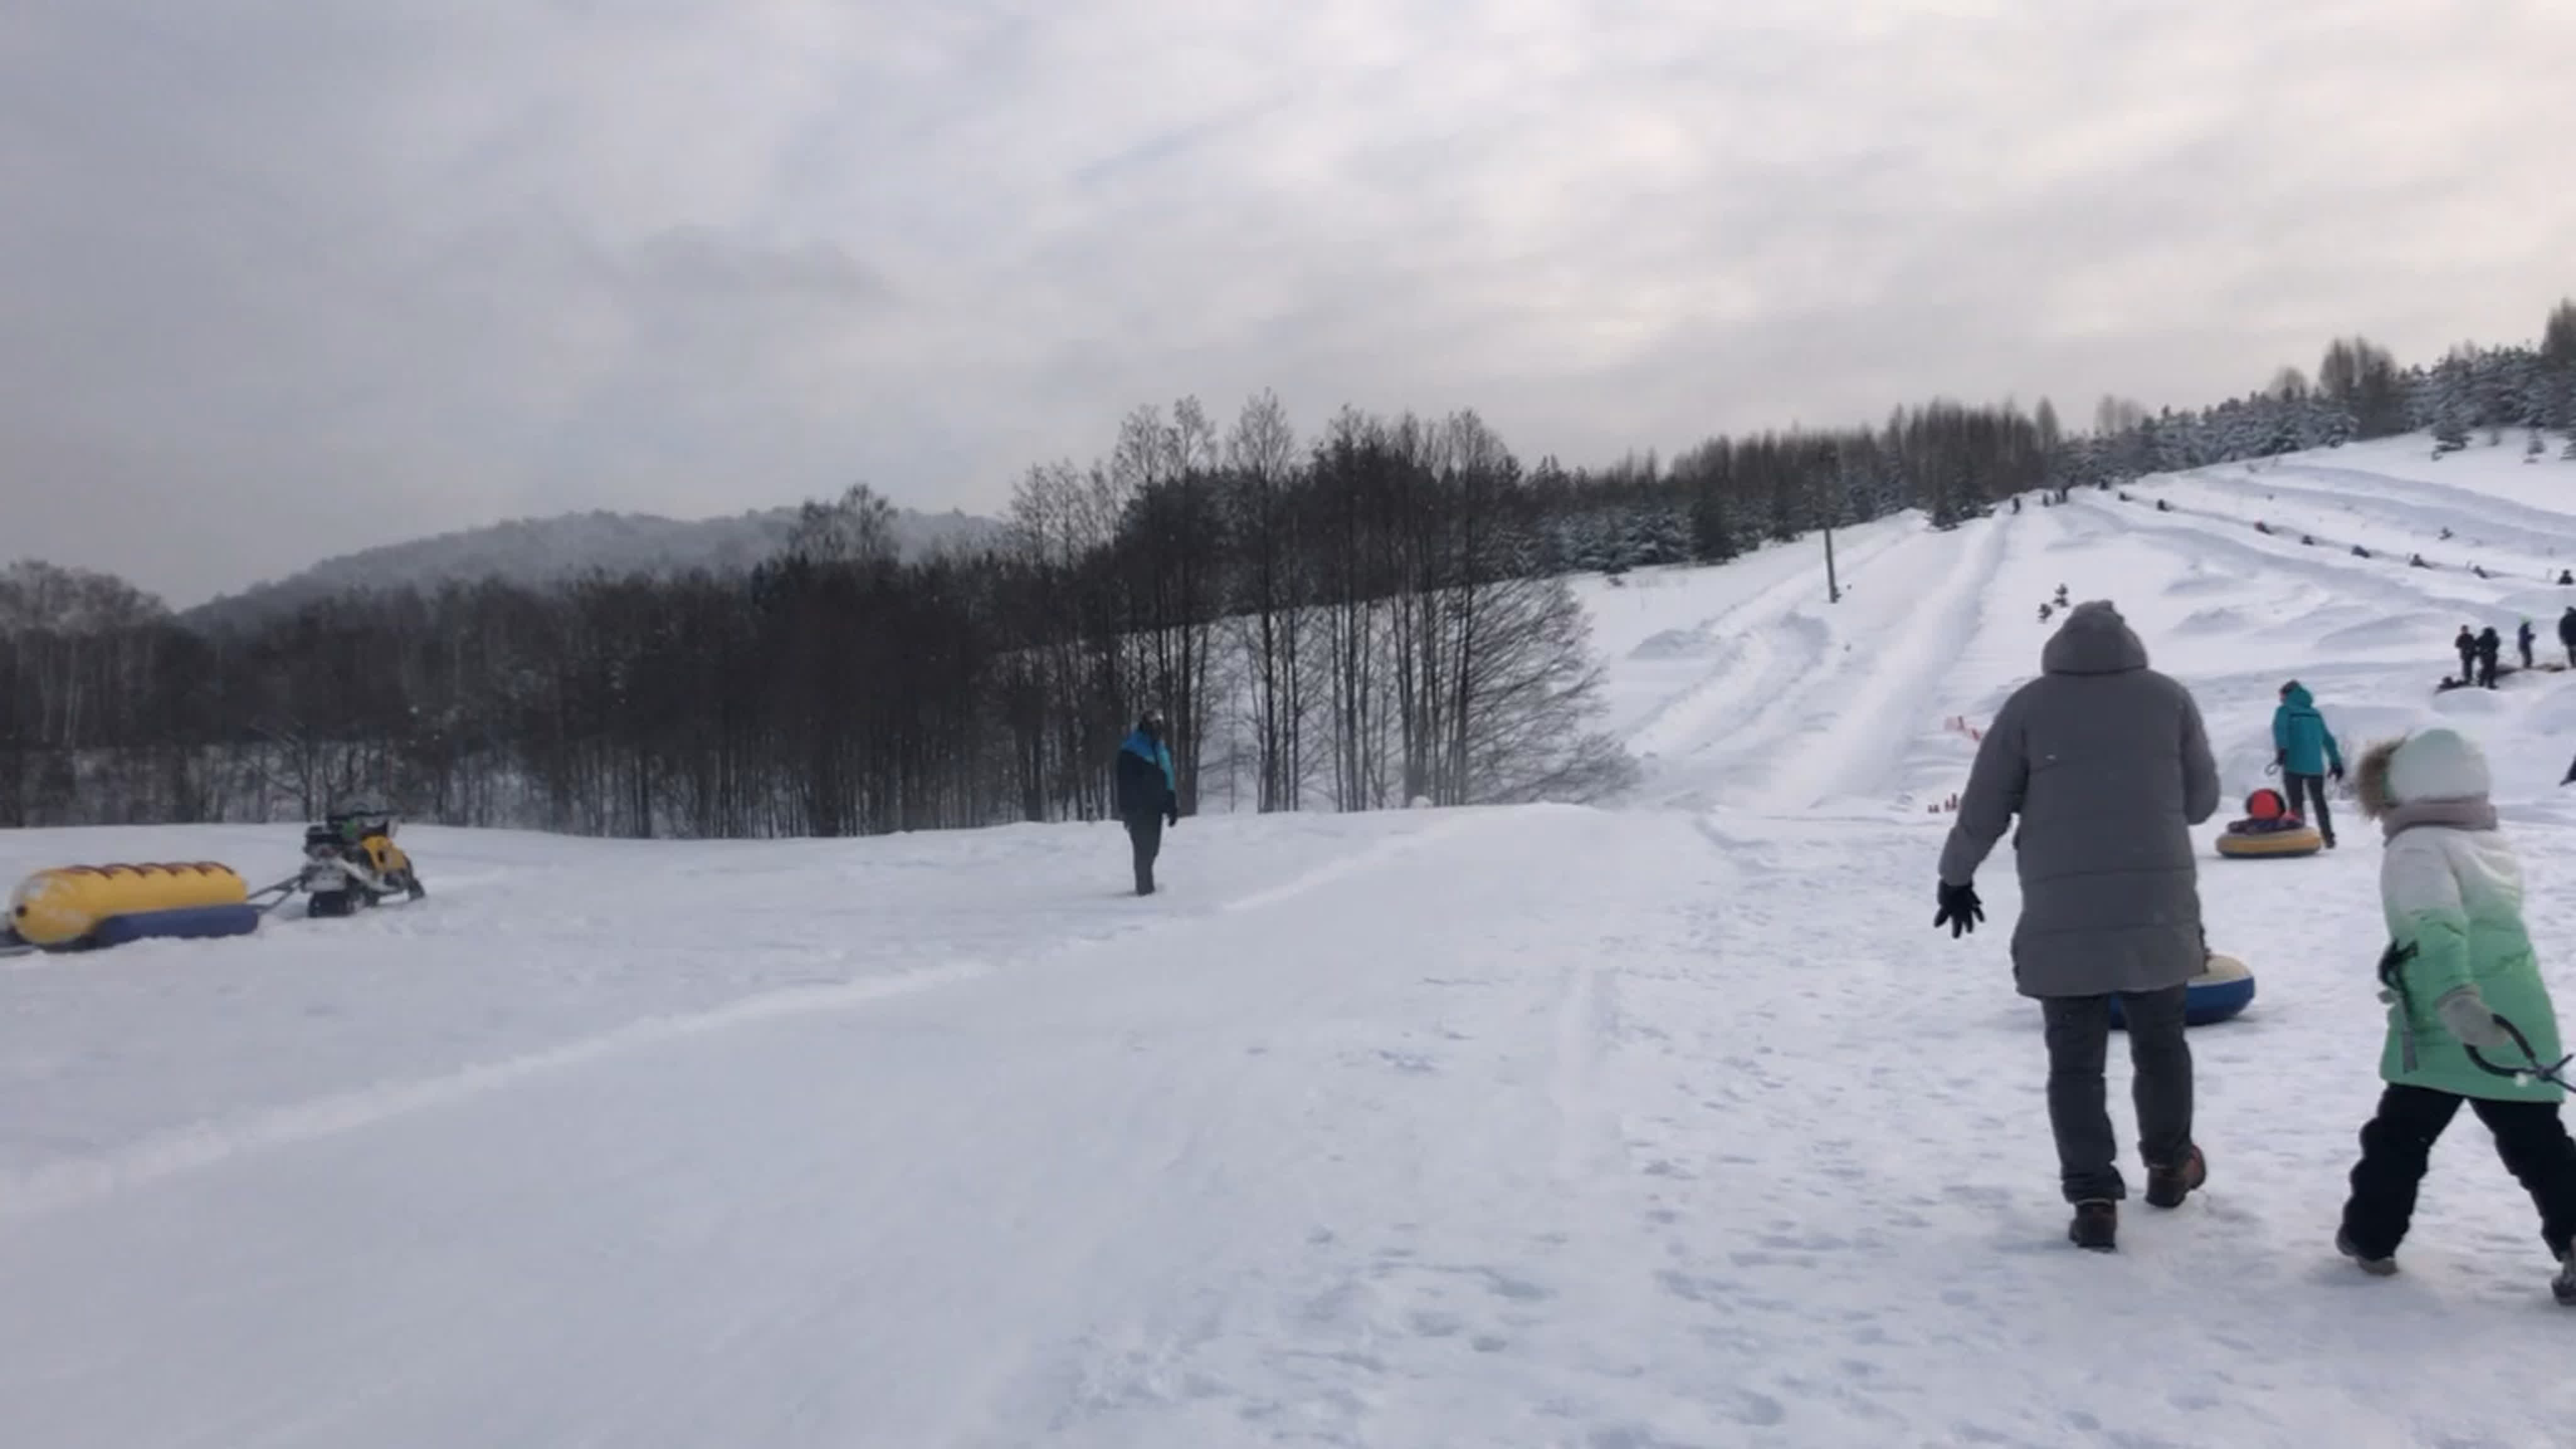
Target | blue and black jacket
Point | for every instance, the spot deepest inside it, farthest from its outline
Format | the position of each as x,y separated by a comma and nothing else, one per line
1145,784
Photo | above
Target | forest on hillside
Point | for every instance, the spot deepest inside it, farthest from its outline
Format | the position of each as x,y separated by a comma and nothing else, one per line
1370,616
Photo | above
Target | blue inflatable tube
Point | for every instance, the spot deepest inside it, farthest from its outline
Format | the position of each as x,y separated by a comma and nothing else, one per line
2212,998
184,923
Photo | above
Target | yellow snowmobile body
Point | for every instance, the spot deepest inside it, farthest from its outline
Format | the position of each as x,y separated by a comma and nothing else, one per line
350,860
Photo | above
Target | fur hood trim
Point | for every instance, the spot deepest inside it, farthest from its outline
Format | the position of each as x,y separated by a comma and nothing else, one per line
2370,778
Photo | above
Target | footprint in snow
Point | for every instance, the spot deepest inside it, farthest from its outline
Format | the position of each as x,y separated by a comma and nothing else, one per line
1759,1410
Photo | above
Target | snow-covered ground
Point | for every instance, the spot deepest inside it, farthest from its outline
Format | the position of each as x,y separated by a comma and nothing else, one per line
1673,1124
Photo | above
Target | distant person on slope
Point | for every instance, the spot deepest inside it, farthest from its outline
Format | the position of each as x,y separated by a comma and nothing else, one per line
1146,796
2567,634
2524,638
2490,646
2459,958
2305,750
2108,766
2467,644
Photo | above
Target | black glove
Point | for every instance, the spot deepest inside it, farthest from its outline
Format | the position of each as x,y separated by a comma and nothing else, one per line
1172,816
1960,910
2337,772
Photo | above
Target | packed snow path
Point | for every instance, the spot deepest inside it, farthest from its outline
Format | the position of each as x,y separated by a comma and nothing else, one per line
1669,1125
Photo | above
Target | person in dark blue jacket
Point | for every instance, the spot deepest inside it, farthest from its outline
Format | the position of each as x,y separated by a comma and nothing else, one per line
1146,795
2305,750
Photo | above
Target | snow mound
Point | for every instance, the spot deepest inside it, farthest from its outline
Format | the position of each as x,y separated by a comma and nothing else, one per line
2404,631
2196,585
2468,704
2214,621
1675,644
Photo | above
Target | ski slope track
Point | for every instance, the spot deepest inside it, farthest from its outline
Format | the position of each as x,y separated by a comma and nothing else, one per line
2501,535
1670,1122
1853,727
1762,643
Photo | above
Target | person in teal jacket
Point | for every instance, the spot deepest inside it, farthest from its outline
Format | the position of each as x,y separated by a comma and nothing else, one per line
1146,793
2459,971
2304,749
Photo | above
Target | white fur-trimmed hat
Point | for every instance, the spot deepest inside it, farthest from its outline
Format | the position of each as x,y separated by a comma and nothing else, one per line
2434,764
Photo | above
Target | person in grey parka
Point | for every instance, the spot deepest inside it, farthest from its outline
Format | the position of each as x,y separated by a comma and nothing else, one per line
2108,766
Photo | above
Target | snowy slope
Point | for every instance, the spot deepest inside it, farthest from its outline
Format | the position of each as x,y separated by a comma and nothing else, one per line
1674,1124
538,551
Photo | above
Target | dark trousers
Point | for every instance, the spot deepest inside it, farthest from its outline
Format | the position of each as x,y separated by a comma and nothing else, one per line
2486,671
2397,1146
2314,787
2079,1036
2469,668
1146,834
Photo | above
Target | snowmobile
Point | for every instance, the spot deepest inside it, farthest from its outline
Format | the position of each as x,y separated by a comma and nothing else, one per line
350,862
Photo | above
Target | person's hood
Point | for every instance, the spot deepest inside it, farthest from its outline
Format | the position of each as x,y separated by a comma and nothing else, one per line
2435,764
2297,697
2093,640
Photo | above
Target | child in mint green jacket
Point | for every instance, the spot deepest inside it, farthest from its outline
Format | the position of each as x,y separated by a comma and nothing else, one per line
2459,965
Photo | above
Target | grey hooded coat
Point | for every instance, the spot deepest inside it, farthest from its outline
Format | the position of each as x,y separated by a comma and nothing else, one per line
2109,768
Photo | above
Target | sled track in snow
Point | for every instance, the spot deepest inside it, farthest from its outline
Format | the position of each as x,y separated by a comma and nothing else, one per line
2199,535
68,1184
1783,739
2422,510
2427,499
57,1186
1752,671
1873,719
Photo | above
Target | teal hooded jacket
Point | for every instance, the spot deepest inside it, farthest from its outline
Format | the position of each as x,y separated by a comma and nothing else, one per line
2300,736
2452,890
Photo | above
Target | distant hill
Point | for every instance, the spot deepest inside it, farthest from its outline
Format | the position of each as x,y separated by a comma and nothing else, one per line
538,551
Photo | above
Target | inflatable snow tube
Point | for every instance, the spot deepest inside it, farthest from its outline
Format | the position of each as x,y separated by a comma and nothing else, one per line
2269,829
67,905
2220,992
192,923
2294,839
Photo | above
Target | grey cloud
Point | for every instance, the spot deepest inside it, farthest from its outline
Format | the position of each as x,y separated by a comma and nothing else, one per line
701,259
279,282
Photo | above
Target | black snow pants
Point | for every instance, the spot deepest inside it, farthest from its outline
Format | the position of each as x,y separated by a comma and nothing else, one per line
2486,671
2314,787
2079,1039
2397,1146
1145,833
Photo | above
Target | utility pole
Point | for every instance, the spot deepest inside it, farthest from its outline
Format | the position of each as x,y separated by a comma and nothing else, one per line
1833,504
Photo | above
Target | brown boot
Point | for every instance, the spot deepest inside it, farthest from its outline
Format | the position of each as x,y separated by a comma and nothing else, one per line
2168,1185
2096,1225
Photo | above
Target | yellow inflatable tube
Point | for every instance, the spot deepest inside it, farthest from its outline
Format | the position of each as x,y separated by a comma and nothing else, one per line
2272,842
55,907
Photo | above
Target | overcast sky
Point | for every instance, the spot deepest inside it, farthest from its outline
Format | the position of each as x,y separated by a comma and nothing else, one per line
280,280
